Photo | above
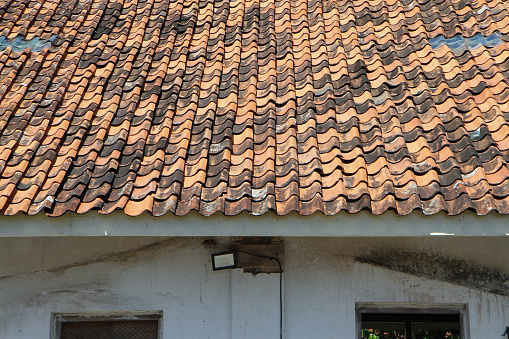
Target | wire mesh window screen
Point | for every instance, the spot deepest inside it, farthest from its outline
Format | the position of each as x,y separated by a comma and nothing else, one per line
137,329
410,326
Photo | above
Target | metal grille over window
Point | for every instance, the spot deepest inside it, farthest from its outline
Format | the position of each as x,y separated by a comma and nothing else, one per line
139,329
410,326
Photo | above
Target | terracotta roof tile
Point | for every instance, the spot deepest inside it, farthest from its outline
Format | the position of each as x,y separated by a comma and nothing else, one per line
309,105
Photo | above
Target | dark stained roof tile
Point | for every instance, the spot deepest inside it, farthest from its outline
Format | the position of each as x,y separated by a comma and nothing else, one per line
217,106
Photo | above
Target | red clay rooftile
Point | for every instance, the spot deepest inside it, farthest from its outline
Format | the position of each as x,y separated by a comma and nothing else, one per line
309,109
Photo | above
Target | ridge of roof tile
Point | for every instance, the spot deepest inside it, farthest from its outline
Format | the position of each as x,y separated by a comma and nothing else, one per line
254,105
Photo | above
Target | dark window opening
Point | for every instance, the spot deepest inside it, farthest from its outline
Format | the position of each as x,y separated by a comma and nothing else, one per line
410,326
129,325
147,329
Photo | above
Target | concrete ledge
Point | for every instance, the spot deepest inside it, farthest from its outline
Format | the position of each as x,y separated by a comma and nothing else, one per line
342,224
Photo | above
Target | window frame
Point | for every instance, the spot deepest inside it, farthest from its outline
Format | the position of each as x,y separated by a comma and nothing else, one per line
413,308
59,318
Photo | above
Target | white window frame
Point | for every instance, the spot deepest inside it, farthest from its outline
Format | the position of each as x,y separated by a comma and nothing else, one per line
415,308
59,318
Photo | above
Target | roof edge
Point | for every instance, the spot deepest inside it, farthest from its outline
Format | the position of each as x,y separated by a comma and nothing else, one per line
193,224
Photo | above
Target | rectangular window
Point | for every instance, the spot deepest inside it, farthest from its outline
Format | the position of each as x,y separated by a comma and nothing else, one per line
107,326
400,322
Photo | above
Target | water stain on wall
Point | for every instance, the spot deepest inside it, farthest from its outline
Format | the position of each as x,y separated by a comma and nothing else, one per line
441,268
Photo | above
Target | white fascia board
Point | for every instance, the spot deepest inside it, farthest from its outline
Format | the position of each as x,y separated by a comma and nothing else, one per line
269,224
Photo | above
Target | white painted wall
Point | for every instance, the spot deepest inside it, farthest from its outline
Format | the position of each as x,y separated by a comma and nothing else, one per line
321,293
175,277
321,285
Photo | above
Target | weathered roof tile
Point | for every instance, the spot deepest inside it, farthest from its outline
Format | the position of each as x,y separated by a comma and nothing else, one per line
219,106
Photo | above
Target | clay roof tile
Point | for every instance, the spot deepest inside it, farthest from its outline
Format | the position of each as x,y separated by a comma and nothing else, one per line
216,106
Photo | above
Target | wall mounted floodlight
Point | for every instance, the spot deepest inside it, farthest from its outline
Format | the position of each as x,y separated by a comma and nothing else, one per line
223,260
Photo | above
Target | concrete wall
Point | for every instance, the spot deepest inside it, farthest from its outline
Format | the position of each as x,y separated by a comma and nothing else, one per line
342,224
323,280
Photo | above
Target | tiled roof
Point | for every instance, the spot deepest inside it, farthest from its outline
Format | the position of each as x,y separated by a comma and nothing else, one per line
169,106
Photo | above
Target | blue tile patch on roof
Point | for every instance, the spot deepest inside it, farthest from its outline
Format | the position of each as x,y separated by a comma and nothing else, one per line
459,44
19,44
